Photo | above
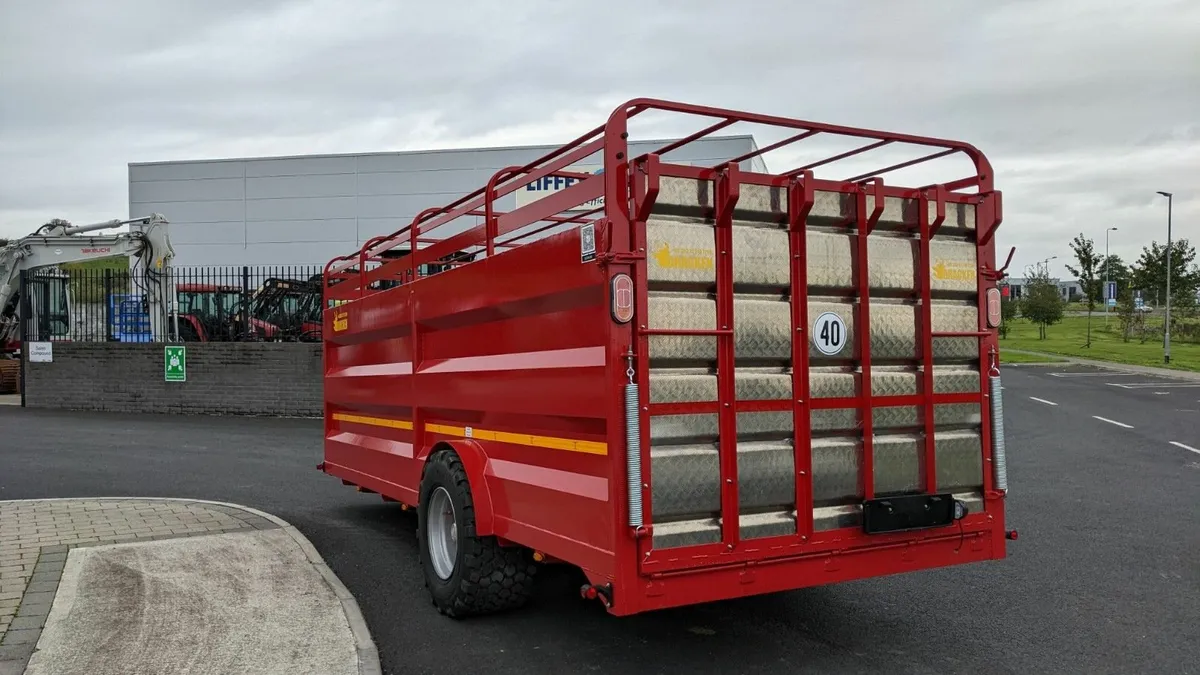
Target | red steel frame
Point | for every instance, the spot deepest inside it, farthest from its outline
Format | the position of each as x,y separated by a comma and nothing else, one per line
641,577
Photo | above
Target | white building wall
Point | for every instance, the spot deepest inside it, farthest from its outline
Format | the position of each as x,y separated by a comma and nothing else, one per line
304,210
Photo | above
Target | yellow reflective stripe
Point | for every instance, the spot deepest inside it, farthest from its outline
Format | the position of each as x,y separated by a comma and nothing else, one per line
551,442
443,429
374,421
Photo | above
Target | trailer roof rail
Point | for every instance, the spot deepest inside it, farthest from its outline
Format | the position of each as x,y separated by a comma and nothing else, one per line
500,230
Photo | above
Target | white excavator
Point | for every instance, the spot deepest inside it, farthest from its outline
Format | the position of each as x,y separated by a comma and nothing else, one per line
147,244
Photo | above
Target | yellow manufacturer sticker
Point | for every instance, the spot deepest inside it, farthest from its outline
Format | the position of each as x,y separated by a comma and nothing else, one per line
954,271
683,258
341,321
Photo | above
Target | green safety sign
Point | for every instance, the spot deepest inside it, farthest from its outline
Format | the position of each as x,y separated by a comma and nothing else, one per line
175,363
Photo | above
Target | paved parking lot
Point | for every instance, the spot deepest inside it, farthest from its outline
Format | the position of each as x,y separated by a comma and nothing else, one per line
1135,407
1104,578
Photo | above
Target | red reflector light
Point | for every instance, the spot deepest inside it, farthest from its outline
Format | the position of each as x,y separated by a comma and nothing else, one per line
622,298
993,307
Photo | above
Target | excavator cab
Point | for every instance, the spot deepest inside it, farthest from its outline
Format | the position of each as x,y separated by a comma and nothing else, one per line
49,305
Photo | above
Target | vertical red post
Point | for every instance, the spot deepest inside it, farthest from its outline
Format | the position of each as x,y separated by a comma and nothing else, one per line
925,339
725,199
865,409
624,235
801,197
644,194
363,259
418,421
489,218
489,207
987,218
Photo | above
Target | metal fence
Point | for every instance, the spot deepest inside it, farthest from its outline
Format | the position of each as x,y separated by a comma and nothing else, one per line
190,304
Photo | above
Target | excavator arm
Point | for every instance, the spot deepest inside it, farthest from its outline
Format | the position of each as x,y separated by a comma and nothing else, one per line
147,244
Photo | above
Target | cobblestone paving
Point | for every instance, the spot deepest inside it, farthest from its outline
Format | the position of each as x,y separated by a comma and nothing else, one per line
36,535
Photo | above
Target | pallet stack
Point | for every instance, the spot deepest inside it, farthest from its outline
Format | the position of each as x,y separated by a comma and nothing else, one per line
10,375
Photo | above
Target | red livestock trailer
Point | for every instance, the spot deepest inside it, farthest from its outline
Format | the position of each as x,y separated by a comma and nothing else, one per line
691,382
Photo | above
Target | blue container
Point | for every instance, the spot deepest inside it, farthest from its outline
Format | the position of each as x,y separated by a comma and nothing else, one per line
129,320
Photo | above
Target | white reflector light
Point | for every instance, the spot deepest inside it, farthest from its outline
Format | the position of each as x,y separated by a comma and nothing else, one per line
622,298
993,307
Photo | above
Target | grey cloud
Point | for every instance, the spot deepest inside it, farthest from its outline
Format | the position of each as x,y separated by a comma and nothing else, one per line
1084,107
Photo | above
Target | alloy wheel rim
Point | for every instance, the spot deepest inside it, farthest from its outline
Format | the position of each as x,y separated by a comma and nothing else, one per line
442,533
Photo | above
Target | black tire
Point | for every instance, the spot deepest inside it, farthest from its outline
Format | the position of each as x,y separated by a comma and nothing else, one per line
187,332
487,577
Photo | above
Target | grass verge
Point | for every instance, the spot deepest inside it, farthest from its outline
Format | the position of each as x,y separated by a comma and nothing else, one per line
1068,338
1009,356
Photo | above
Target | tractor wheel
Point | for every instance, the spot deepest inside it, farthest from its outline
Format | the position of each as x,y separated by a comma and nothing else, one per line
464,573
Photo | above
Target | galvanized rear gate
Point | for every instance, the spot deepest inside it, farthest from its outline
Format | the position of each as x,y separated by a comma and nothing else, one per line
810,346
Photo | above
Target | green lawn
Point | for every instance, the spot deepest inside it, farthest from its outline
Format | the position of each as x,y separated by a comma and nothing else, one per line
1068,337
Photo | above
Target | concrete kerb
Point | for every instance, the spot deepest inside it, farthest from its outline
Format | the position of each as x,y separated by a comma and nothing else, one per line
368,653
1168,373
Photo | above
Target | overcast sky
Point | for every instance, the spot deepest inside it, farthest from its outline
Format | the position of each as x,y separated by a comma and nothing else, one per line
1085,107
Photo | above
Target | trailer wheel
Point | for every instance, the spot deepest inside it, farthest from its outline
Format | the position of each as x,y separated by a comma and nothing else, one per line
464,573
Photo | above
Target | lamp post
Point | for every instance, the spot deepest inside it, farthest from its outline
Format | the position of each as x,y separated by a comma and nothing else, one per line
1046,264
1044,267
1107,274
1167,325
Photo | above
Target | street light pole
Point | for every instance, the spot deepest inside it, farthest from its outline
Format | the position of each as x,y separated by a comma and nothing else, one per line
1167,326
1107,274
1045,264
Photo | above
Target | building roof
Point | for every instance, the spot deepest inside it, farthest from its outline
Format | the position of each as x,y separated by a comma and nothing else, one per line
433,151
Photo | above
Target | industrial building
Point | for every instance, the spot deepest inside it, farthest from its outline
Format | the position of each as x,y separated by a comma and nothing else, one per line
301,210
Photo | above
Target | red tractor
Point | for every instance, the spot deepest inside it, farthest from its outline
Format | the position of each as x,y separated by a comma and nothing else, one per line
279,310
285,310
206,311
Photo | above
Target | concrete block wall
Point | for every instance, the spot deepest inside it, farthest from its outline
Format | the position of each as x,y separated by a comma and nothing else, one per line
238,378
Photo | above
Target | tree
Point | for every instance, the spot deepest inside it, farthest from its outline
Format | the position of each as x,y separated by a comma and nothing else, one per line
1149,273
1127,313
1089,283
1008,312
1042,304
1113,269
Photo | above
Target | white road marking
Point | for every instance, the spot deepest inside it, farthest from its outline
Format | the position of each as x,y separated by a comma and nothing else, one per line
1103,374
1185,447
1042,400
1161,393
1154,385
1120,424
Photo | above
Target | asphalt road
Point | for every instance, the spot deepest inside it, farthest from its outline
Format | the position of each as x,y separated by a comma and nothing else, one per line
1105,577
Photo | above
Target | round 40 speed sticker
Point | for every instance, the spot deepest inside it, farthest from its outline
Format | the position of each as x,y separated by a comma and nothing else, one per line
829,333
